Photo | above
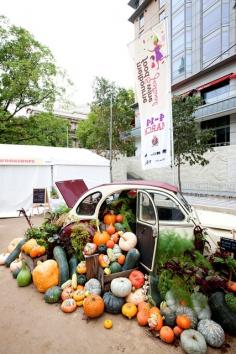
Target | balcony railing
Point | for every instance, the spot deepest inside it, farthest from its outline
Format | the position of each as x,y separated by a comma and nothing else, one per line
225,106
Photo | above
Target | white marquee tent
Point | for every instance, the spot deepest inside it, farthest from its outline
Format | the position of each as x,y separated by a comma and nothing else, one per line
25,167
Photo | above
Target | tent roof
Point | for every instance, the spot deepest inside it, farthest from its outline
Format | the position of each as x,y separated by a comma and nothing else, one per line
47,155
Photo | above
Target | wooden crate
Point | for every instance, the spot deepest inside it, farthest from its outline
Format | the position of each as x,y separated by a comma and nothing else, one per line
92,266
105,280
32,262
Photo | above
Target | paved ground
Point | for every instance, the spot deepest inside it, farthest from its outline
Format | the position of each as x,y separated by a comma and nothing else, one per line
221,204
30,326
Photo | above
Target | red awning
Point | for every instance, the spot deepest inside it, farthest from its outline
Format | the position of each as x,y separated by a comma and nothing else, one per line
217,81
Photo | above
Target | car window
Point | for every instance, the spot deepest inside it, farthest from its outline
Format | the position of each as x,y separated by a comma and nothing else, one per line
167,209
146,210
89,204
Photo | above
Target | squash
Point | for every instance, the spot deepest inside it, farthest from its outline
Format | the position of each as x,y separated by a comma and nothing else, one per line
137,279
73,261
15,253
107,324
45,275
169,315
90,248
103,260
231,285
12,245
79,295
121,259
121,287
167,334
102,249
81,279
193,342
142,317
127,241
119,218
16,264
24,276
81,267
74,281
136,297
155,321
67,293
171,300
15,272
115,237
177,331
109,218
184,310
113,304
52,295
129,310
221,313
200,306
212,332
110,244
66,284
131,259
111,229
183,321
93,306
114,253
115,267
68,305
119,227
34,251
3,257
101,238
60,257
93,286
27,247
144,305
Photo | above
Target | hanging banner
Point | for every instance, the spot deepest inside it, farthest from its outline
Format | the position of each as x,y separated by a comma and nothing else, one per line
153,88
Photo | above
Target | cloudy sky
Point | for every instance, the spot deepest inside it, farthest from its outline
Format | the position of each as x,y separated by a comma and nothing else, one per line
88,38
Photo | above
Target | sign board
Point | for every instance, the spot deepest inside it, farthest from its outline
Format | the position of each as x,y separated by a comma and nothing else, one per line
40,196
228,244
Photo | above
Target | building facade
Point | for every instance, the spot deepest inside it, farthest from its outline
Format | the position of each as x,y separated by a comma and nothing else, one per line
203,62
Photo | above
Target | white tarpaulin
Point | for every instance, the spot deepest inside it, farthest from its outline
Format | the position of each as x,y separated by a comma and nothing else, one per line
25,167
153,87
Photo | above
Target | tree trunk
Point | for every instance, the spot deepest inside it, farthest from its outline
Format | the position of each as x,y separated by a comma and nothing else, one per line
179,179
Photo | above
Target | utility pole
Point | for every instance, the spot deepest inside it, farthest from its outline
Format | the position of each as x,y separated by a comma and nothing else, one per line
110,139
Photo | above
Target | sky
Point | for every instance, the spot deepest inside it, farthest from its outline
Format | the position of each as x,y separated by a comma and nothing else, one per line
88,38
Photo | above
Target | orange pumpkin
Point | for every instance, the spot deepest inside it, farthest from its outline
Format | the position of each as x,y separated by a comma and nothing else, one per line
177,331
109,218
41,251
231,285
167,334
34,251
143,316
67,293
144,305
101,238
68,305
183,321
93,306
119,218
45,275
115,237
111,229
155,321
121,259
154,310
110,244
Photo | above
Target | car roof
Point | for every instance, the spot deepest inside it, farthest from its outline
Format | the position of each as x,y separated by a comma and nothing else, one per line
149,183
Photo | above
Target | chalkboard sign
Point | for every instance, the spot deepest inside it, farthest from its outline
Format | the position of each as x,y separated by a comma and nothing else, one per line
228,244
39,196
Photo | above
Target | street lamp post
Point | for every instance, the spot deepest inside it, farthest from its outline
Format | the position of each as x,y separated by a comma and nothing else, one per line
110,139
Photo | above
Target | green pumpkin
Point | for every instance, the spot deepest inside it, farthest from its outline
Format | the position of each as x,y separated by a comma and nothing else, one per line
81,279
168,314
119,227
24,276
212,332
113,304
16,272
193,342
102,249
53,295
115,267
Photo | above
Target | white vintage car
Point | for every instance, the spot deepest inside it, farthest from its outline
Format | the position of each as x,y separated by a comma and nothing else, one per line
157,207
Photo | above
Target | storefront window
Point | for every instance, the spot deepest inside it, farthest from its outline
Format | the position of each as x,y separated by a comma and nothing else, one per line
216,94
221,129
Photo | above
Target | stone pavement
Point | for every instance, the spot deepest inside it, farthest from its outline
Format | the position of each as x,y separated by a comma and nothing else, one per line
219,204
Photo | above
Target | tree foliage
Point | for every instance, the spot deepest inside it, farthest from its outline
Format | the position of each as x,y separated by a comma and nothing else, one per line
190,142
93,133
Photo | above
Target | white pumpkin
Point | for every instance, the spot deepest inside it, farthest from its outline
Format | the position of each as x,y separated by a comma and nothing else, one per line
3,257
121,287
193,342
16,264
90,248
12,245
135,297
212,332
127,241
93,286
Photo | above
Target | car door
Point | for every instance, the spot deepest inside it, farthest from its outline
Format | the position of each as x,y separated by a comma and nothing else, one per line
146,229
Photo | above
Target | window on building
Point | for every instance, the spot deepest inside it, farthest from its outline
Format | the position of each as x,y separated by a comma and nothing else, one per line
221,129
178,21
178,66
178,43
211,46
217,93
141,21
225,13
162,15
176,4
211,19
162,3
188,14
207,3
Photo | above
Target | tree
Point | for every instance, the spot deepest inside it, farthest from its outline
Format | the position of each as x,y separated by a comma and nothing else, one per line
93,133
27,77
190,142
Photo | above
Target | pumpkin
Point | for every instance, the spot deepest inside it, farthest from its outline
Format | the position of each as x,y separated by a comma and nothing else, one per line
34,251
119,227
113,304
121,259
200,306
90,248
171,301
107,324
109,218
137,278
81,267
81,279
41,251
110,244
142,317
184,310
102,249
144,305
135,297
67,293
24,276
115,267
155,321
121,287
101,238
129,310
212,332
183,321
177,331
169,315
127,241
93,286
116,252
79,295
45,275
193,342
3,257
15,253
154,309
167,334
231,285
107,271
27,247
93,306
68,305
16,264
111,229
53,295
119,218
103,260
12,245
131,259
115,237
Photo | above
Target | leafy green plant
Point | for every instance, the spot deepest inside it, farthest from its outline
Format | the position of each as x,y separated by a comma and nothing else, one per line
79,237
230,300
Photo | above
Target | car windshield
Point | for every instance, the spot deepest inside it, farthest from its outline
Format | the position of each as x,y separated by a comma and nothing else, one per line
184,201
